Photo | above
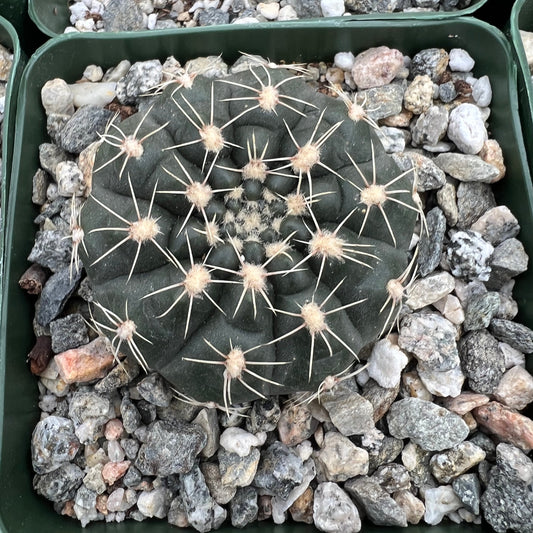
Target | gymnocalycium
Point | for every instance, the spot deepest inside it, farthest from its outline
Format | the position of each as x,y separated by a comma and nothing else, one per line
246,236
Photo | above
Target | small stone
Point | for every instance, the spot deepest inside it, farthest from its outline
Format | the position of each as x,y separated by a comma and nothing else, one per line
497,225
473,200
207,419
447,201
460,60
442,383
170,448
447,92
264,416
177,515
213,17
86,363
334,511
202,511
376,67
83,128
279,471
492,153
380,397
236,470
431,339
68,332
113,429
431,427
515,389
98,94
516,335
121,500
155,390
340,459
386,363
122,15
141,77
413,508
508,260
507,502
243,507
239,441
56,97
70,180
350,413
154,503
221,492
113,471
482,91
119,376
268,10
418,96
381,102
53,443
466,167
60,484
430,127
344,60
451,309
480,310
52,250
466,128
431,244
439,502
296,424
392,477
287,13
465,402
302,508
430,289
431,62
449,464
377,503
507,424
469,256
468,489
416,460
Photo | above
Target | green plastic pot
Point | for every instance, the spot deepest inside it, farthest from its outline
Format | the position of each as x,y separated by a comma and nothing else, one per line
9,39
16,11
52,16
21,510
522,19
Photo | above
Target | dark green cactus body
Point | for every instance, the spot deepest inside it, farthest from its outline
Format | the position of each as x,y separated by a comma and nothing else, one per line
245,248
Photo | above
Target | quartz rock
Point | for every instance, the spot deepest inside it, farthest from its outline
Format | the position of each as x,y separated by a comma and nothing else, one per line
386,363
154,503
334,511
439,502
466,128
376,66
430,289
413,508
515,389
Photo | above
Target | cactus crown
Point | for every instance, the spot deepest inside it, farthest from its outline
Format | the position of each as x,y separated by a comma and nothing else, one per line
244,236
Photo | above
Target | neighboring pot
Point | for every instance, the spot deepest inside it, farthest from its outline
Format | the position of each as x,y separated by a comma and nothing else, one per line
9,39
522,19
52,16
21,509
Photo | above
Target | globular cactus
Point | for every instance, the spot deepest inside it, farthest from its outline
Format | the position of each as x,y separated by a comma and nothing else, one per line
247,236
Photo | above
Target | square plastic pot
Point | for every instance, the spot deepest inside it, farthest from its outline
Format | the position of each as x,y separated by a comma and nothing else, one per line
21,510
9,39
522,19
52,16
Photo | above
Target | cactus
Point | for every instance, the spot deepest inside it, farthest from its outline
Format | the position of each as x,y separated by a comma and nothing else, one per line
246,236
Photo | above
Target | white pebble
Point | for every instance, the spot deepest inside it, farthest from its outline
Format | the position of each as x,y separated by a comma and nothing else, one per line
460,60
268,10
151,21
85,25
386,363
115,451
287,13
78,11
239,441
89,93
332,8
93,73
56,97
466,128
439,502
333,510
344,60
482,91
70,180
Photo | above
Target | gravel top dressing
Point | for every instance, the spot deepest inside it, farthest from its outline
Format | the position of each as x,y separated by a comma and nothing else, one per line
426,424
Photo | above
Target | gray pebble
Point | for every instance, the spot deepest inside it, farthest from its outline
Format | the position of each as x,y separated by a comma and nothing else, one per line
55,294
170,448
53,443
473,200
221,493
52,249
497,225
243,507
508,260
388,450
393,139
449,464
430,127
264,416
447,201
392,477
517,335
447,92
237,471
469,256
122,15
213,17
279,470
468,489
306,8
507,502
382,102
154,389
466,128
377,503
119,376
480,309
131,418
481,361
85,405
333,510
465,167
50,155
432,427
202,511
141,77
431,242
61,484
83,128
68,332
431,61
